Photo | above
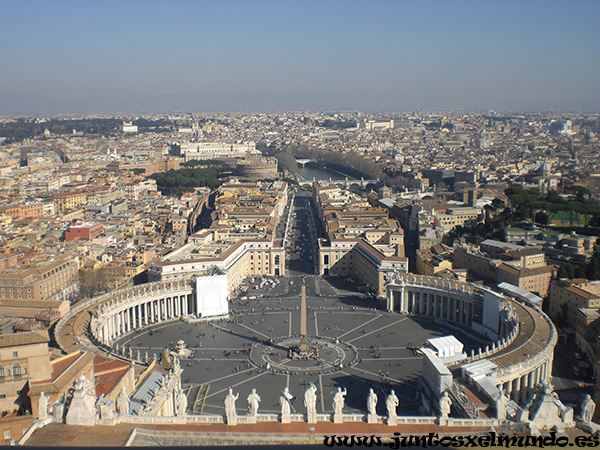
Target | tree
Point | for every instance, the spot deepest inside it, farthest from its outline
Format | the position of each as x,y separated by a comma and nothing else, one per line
592,269
541,218
498,204
595,221
287,161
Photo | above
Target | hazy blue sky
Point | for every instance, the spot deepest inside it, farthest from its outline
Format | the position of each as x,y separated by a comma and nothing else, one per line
89,56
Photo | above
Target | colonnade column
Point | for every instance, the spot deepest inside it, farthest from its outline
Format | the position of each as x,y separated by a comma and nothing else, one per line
543,374
515,389
508,389
530,383
523,388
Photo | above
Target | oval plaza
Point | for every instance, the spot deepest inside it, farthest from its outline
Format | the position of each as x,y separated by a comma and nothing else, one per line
510,342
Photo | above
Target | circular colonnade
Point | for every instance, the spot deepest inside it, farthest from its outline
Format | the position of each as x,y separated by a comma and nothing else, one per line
522,343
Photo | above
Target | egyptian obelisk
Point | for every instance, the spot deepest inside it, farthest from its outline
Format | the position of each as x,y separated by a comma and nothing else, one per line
303,346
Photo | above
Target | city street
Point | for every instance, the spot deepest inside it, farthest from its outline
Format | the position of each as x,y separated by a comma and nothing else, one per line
357,344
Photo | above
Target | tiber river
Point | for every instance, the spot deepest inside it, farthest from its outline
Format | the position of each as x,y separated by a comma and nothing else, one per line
320,174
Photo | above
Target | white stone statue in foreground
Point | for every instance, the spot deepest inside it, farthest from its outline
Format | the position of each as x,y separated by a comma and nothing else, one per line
372,402
310,402
286,407
182,404
338,401
230,412
43,406
587,409
253,402
123,402
445,404
501,402
391,403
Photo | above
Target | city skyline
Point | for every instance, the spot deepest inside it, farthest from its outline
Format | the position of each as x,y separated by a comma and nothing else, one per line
152,57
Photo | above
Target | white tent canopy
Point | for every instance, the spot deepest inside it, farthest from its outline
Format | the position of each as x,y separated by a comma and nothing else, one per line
447,346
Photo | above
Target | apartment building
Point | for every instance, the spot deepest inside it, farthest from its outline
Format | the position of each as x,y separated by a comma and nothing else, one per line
24,357
86,230
520,266
40,278
363,241
209,250
567,296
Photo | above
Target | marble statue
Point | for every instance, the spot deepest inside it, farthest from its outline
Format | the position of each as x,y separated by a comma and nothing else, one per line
82,410
230,407
310,402
123,402
445,404
182,403
501,402
338,401
43,406
176,364
104,408
391,403
284,400
89,388
58,411
253,402
372,402
587,409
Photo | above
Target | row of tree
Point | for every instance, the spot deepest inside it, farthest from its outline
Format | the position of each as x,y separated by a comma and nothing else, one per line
346,162
528,203
589,269
22,129
215,163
